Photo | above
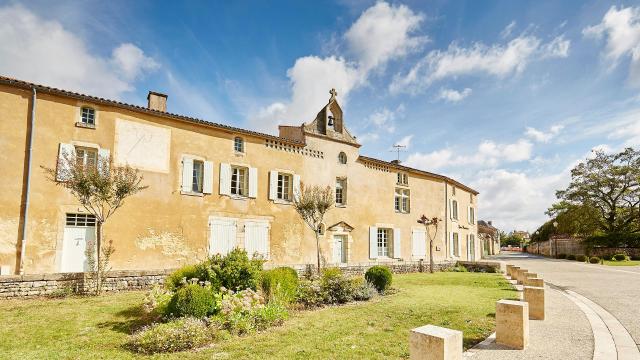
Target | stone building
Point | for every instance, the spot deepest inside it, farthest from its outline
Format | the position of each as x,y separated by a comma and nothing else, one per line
489,237
212,187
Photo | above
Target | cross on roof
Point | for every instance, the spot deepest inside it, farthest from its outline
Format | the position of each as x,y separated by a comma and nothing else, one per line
333,93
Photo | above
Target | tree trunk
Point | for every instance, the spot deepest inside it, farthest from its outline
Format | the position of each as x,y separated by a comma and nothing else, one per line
98,270
431,256
318,249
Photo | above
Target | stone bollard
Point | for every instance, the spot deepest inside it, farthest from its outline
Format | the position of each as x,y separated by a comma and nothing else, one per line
509,268
534,296
431,342
537,282
520,275
514,271
512,324
528,275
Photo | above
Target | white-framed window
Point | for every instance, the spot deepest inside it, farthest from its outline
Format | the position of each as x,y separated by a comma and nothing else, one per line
239,181
472,215
403,179
285,187
238,144
384,238
341,191
86,157
198,176
454,209
402,200
342,158
88,116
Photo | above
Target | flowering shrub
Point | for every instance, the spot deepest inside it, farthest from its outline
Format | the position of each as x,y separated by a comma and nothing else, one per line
241,302
363,290
337,288
157,300
310,294
177,335
245,311
279,284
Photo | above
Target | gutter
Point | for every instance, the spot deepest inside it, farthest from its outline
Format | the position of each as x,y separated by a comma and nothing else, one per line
25,213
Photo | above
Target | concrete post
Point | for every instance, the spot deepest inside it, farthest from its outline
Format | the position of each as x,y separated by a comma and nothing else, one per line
514,270
528,275
537,282
520,275
431,342
512,324
509,269
534,296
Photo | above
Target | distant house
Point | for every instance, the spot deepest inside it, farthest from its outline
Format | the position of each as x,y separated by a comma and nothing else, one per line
526,237
489,238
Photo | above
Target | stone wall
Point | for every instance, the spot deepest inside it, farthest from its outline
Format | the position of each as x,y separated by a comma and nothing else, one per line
400,267
52,284
481,266
600,251
574,246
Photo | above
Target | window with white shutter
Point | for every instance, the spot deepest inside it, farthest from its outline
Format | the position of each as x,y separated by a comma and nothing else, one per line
256,238
222,237
397,242
373,242
418,244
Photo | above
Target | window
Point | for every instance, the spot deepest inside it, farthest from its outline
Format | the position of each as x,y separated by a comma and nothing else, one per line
453,190
341,191
198,175
284,187
342,158
471,198
384,236
455,244
454,209
472,215
88,116
238,144
239,181
402,200
403,179
86,157
80,220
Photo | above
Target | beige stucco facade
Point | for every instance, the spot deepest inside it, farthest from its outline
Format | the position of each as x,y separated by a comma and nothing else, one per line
165,227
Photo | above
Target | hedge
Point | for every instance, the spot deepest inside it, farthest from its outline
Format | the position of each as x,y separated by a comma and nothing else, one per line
631,240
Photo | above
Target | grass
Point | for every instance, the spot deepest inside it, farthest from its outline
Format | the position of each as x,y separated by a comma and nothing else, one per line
96,328
622,263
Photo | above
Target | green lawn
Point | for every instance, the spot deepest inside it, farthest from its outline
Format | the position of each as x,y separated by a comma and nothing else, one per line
622,263
96,328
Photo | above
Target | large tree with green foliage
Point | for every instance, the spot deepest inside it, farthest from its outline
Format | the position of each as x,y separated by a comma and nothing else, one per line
605,189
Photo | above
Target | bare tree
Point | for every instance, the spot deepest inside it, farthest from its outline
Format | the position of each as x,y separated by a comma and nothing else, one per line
101,189
312,203
432,222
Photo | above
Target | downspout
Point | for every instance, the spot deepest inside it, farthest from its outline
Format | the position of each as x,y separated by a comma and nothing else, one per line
446,213
25,214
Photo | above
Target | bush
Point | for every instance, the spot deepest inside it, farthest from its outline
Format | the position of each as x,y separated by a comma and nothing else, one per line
244,312
363,290
272,314
177,335
193,300
607,257
594,260
157,300
337,288
310,294
181,276
380,277
234,271
621,240
620,257
561,256
635,257
571,257
279,284
581,258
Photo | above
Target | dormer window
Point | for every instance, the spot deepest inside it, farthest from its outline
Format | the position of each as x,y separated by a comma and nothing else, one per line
342,158
403,179
238,144
87,117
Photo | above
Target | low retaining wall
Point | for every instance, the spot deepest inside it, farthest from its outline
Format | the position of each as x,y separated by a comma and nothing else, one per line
400,267
52,284
600,251
481,266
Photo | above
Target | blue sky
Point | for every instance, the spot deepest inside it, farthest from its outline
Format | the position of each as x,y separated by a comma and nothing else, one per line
505,96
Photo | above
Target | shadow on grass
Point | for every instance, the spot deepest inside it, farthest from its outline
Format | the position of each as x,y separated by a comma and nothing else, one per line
133,318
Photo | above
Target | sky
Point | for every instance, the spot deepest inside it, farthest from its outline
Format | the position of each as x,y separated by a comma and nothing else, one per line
504,96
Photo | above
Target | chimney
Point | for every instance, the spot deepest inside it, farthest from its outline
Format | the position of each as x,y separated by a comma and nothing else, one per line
395,162
157,101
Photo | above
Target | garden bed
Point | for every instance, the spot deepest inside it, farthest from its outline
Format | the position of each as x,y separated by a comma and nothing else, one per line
98,327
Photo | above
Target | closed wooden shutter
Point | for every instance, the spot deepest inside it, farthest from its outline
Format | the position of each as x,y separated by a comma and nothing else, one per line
273,185
207,183
104,156
225,179
256,238
65,151
296,186
373,242
253,182
397,249
223,236
418,244
187,174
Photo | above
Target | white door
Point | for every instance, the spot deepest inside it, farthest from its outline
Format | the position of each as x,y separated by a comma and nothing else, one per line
223,236
256,238
74,247
339,253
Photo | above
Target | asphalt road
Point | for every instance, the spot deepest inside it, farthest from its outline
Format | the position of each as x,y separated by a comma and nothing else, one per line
616,289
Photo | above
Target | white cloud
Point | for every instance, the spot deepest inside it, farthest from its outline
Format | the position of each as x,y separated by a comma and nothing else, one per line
368,137
621,28
405,141
506,32
451,95
43,51
496,60
541,136
629,132
383,32
430,161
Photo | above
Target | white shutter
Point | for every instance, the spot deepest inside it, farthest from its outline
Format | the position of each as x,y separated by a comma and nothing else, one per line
469,215
450,209
207,183
373,242
256,238
451,244
296,186
187,174
225,179
223,236
253,182
418,244
104,158
397,250
65,151
273,185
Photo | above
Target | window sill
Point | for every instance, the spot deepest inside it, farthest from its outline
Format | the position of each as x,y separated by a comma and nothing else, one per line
85,126
342,206
282,202
239,153
403,212
403,185
239,197
191,193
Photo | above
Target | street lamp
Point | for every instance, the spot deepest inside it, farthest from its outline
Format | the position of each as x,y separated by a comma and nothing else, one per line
555,240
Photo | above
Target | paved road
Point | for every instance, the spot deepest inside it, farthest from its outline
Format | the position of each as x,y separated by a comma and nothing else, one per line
616,289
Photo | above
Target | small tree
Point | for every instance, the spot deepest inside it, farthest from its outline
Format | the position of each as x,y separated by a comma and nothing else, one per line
101,189
312,203
432,222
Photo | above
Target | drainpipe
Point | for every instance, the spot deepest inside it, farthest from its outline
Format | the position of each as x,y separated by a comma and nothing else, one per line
25,214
